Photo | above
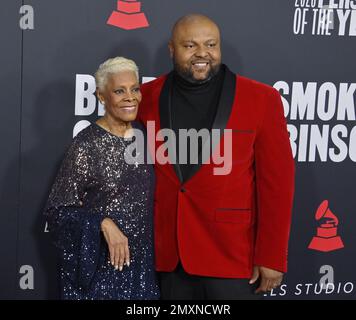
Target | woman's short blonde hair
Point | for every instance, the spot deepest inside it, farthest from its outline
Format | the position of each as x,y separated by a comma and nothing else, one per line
113,66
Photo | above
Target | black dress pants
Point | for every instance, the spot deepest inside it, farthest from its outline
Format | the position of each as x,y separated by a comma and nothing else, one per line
179,285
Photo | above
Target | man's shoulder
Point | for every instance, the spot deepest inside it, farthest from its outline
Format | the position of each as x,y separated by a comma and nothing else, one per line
255,87
154,84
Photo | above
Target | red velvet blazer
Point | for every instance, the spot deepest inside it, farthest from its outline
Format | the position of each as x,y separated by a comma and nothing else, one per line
223,225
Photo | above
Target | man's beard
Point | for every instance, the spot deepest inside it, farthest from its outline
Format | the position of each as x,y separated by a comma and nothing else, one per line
187,74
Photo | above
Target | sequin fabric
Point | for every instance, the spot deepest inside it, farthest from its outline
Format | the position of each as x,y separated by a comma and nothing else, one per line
95,182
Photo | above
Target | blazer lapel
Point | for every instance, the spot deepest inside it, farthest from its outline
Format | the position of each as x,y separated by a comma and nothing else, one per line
222,116
165,107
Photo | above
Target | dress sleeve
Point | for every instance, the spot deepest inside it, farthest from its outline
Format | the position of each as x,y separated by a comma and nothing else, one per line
74,230
73,178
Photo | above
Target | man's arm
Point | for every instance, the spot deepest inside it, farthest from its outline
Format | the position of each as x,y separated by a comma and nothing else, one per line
275,188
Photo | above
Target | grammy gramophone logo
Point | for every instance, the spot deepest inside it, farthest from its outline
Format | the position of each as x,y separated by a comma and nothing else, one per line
326,238
128,15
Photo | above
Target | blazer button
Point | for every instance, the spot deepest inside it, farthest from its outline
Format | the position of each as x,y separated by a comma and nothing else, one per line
183,189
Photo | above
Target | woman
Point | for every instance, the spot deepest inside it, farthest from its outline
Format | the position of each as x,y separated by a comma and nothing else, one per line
100,207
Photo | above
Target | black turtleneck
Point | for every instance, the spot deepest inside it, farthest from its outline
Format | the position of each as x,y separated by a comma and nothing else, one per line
194,107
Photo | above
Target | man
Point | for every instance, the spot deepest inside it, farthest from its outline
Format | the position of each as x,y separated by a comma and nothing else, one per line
219,236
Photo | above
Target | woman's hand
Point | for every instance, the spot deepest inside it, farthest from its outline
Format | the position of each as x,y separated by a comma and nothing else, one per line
117,242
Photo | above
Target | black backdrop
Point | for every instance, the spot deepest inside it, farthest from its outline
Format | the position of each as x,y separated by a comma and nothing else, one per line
43,98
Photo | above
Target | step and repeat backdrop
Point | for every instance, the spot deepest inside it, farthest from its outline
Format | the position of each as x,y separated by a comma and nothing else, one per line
304,48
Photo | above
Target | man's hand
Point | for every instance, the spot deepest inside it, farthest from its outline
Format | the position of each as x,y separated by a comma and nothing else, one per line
117,243
270,279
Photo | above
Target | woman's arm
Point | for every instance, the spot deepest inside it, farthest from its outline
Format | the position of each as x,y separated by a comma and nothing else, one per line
117,243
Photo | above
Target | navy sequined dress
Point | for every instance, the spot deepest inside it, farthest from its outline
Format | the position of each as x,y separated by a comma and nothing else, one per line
95,182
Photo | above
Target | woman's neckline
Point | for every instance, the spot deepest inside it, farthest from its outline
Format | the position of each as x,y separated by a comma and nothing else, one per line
111,134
